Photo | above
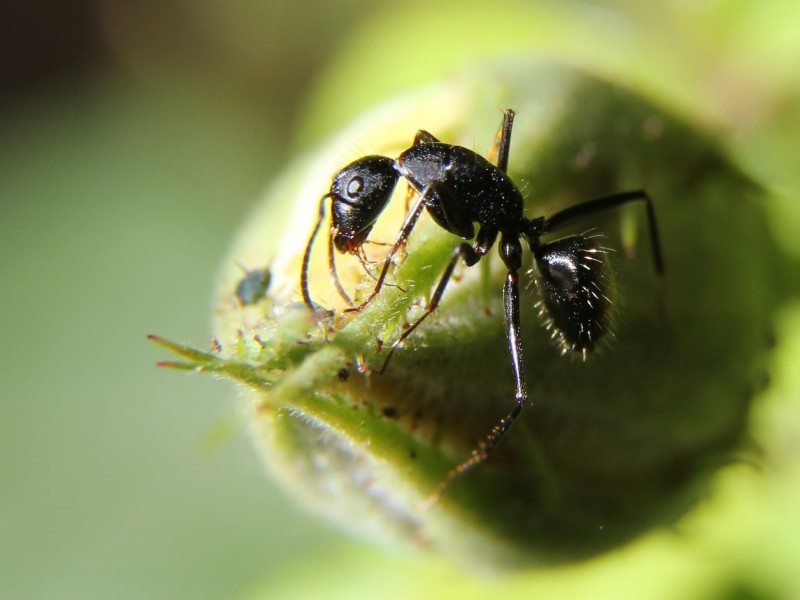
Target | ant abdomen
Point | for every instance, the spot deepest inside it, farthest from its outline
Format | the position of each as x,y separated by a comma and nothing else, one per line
574,281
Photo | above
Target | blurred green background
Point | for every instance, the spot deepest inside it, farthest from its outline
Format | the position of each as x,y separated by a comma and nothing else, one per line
135,137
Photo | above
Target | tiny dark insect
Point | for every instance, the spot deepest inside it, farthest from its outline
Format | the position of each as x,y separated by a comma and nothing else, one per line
253,286
460,188
390,412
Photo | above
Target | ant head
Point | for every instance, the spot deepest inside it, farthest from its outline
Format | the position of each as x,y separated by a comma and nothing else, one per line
359,193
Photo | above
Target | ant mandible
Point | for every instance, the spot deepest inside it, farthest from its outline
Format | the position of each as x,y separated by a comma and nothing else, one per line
460,188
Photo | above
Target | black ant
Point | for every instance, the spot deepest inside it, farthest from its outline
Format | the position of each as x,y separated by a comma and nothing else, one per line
460,188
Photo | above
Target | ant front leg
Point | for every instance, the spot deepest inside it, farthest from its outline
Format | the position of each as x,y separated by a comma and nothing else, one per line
331,260
307,256
332,268
408,225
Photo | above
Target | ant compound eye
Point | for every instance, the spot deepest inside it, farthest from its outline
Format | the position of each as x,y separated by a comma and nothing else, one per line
355,186
365,184
573,278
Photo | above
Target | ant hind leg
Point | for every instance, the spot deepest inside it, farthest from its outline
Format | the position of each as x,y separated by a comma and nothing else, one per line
496,434
604,203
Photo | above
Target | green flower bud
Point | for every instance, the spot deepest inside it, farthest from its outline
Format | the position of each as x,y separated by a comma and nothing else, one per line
610,446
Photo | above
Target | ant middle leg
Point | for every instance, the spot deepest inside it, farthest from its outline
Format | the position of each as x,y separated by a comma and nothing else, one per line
505,140
502,141
498,151
470,256
423,137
